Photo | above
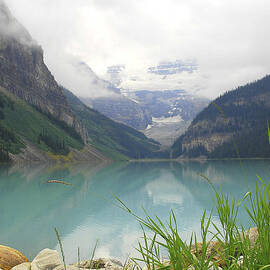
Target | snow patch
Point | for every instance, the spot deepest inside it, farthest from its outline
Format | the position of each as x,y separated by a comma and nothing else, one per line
134,100
168,120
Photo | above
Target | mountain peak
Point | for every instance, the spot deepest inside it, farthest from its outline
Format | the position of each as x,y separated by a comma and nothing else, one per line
11,28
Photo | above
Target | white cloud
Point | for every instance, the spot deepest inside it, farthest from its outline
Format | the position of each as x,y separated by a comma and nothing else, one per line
229,39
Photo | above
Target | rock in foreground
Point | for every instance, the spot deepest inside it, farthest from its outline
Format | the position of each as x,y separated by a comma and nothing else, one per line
108,264
48,259
10,257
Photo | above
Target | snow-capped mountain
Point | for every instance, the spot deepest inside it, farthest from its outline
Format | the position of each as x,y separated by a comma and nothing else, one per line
176,67
114,74
169,75
171,111
161,114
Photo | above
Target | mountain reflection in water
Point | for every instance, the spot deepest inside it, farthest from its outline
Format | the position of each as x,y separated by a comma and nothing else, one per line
30,207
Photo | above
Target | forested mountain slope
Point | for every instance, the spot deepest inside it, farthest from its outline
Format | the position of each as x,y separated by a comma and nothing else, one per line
22,124
114,139
233,125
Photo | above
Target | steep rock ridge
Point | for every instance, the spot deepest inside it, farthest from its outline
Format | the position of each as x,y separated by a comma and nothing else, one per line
121,109
234,124
24,73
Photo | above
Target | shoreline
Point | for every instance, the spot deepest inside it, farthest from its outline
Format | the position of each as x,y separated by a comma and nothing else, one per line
194,159
12,259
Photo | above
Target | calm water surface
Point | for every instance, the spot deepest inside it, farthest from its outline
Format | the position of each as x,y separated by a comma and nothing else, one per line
30,208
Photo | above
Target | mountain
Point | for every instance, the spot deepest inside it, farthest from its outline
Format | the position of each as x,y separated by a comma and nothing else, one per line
105,97
114,76
23,72
169,68
233,125
166,75
27,134
121,109
161,115
82,80
39,123
114,139
171,112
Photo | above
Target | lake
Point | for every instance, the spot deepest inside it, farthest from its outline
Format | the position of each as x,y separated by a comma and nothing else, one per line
30,207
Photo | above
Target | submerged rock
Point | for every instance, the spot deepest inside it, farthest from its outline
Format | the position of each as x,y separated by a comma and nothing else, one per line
10,257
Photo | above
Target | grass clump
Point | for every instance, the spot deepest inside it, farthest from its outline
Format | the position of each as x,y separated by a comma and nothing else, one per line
226,245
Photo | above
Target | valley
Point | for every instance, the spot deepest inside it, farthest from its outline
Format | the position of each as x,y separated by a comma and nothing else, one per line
121,116
134,135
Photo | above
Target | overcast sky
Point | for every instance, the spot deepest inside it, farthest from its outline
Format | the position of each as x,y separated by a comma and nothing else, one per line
229,39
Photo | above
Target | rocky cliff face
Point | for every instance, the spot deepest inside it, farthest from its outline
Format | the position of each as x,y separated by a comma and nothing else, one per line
24,73
121,109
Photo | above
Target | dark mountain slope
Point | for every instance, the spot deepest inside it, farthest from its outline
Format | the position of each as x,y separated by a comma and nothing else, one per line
111,138
236,121
23,72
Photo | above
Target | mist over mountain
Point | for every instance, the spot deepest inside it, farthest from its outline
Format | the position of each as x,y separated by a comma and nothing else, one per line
37,119
227,41
166,75
76,75
24,73
162,115
11,28
169,68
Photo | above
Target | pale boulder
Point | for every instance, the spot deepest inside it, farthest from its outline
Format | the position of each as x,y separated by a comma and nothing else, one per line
47,259
102,263
68,267
253,235
22,266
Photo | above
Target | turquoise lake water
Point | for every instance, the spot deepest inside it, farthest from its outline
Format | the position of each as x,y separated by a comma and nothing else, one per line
30,207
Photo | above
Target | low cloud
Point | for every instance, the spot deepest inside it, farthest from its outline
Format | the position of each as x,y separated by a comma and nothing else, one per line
10,27
79,78
228,39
